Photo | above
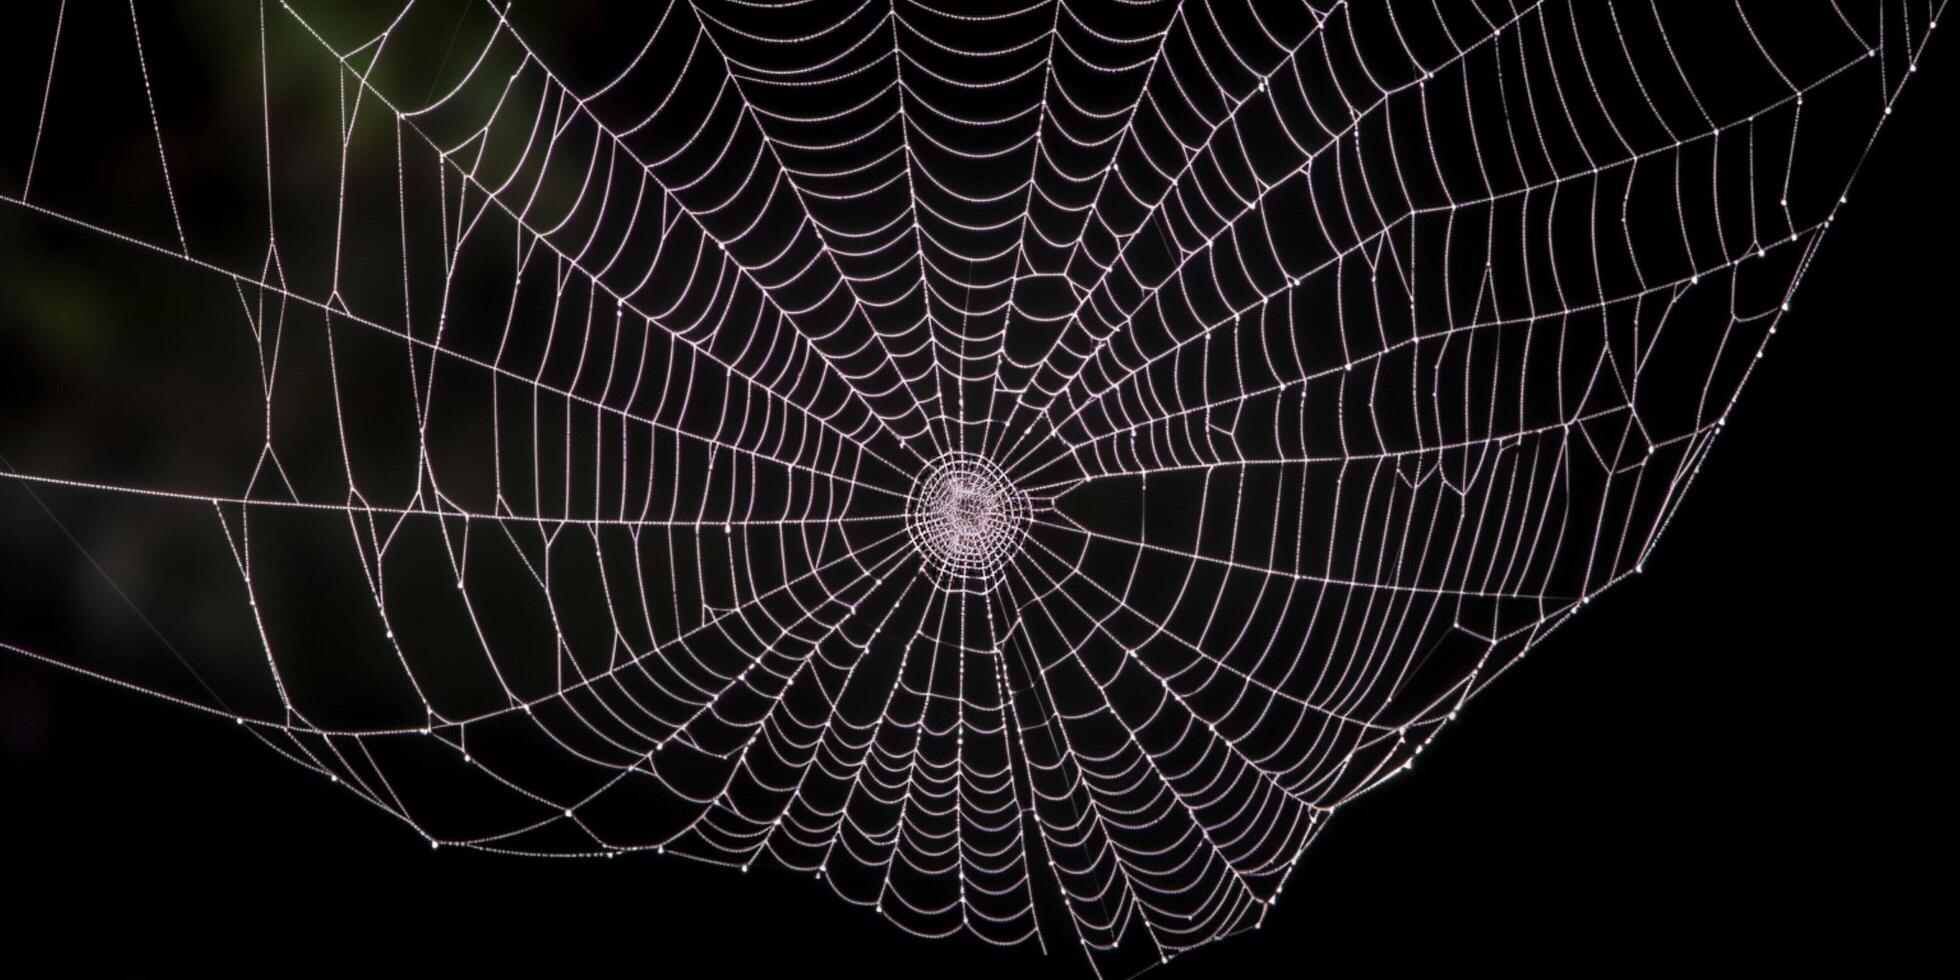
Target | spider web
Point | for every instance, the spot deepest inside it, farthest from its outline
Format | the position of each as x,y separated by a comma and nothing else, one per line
1025,466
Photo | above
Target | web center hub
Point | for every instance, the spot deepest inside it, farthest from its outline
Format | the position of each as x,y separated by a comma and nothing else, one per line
967,519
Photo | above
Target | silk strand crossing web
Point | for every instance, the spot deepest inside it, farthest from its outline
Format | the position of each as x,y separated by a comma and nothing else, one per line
1025,465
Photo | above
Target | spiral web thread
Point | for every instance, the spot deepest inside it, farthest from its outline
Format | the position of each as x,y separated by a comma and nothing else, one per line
1025,466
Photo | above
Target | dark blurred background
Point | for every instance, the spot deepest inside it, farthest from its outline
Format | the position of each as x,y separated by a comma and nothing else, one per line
1730,761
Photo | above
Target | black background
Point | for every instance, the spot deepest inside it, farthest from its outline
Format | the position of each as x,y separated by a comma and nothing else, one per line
1733,759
